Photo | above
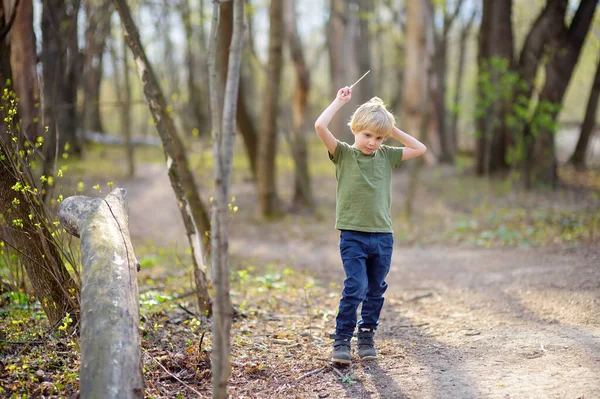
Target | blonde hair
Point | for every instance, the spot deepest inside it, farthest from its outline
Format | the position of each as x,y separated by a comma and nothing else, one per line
373,116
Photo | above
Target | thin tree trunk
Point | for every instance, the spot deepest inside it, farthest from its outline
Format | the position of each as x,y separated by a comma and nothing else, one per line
336,39
192,210
245,123
441,66
267,148
455,116
98,29
589,122
365,15
223,150
303,197
418,42
196,117
123,93
126,113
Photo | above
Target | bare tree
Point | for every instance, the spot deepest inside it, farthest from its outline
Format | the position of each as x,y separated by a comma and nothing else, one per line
97,31
453,131
338,60
267,149
419,42
303,197
589,122
245,122
223,150
196,113
440,65
123,93
193,212
365,15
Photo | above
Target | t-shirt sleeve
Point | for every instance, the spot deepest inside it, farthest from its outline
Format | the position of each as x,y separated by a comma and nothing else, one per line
394,155
340,148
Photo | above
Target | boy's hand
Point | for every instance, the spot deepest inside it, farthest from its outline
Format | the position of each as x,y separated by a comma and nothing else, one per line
344,94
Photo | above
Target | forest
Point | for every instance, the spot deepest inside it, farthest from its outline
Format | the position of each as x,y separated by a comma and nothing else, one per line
168,212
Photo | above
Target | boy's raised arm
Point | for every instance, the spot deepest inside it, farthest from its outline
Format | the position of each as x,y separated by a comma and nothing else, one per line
414,148
321,125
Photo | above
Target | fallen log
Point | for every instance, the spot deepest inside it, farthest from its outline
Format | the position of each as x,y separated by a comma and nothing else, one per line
111,357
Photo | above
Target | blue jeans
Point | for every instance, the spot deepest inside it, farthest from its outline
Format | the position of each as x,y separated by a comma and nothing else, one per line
366,258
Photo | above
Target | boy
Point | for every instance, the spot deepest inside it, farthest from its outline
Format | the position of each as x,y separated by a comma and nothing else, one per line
363,200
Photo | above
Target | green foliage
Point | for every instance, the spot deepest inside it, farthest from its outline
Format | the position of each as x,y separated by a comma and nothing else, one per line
501,102
20,158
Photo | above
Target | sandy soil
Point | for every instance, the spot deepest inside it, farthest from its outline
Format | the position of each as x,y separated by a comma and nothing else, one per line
458,322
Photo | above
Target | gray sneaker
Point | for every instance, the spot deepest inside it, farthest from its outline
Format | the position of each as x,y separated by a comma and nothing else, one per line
341,349
366,344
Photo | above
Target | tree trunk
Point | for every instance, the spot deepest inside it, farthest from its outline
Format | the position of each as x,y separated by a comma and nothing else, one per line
23,59
303,196
98,29
111,354
453,132
223,150
267,147
245,124
418,53
440,63
589,122
192,209
365,15
338,60
196,117
495,43
61,70
123,93
25,228
543,167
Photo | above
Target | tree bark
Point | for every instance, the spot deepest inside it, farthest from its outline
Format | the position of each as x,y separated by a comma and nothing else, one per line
267,147
245,123
495,42
578,158
193,213
97,31
61,62
418,52
543,165
22,52
303,196
338,60
196,116
440,64
365,15
223,150
453,132
111,354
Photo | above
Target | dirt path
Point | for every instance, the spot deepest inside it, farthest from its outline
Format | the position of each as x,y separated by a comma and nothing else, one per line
458,322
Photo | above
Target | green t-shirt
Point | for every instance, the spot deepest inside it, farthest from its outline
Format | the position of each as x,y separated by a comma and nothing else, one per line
364,188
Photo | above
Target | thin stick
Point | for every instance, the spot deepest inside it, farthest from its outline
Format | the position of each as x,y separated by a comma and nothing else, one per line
359,79
172,375
311,373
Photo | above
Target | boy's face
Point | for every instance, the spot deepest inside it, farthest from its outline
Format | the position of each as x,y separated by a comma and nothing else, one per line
367,142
